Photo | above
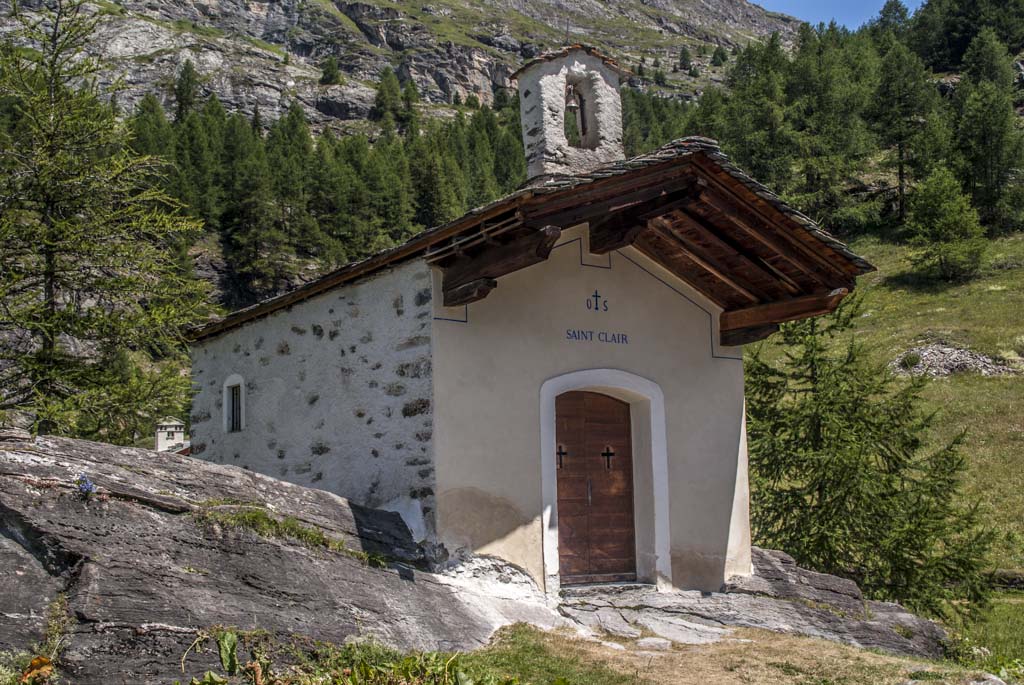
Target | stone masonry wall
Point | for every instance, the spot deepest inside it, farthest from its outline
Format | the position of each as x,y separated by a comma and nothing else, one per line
337,394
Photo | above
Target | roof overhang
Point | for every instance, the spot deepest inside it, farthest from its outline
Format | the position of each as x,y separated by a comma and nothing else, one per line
684,206
565,52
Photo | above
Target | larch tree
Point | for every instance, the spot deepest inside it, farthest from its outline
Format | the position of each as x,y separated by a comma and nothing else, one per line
841,477
903,100
946,228
93,302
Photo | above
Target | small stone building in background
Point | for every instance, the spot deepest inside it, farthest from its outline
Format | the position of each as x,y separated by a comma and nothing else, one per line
556,378
170,435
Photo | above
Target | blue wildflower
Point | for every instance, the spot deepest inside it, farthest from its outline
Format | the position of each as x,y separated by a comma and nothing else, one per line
85,486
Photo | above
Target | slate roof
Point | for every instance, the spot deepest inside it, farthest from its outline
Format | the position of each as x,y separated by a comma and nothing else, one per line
537,190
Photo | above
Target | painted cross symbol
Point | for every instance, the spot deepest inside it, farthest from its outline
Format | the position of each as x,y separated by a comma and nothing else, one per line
608,454
561,453
597,300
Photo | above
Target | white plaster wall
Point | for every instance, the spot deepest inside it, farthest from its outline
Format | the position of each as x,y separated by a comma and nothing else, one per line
337,394
492,357
542,89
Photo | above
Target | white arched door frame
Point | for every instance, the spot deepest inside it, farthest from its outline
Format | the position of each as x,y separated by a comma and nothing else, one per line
650,468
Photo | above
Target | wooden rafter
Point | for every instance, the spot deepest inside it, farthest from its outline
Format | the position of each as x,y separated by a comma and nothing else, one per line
780,312
749,259
588,203
619,229
662,250
614,233
702,259
742,212
470,278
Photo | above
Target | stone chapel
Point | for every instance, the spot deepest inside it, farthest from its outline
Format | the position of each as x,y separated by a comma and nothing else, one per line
556,378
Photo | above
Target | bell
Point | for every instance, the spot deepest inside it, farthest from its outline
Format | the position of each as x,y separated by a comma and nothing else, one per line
570,100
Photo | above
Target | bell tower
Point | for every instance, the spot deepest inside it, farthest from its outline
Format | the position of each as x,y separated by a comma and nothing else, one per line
571,111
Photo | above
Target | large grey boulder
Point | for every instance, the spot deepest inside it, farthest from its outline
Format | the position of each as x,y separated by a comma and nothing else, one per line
144,567
779,596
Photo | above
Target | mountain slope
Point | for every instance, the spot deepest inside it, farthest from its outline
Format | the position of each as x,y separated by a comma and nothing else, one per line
254,52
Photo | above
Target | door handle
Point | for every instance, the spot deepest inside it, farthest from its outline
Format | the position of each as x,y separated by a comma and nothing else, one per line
589,492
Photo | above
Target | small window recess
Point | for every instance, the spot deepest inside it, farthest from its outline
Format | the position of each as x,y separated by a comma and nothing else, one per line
233,404
234,408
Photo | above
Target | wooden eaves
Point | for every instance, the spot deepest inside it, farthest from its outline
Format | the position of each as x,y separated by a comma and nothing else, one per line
684,206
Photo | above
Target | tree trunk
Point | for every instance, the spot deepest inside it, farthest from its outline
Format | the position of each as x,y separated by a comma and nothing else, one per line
902,181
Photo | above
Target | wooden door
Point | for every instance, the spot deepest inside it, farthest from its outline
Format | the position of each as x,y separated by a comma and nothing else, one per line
596,535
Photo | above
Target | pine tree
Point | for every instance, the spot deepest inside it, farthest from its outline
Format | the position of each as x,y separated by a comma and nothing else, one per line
410,98
256,246
389,96
197,167
151,132
761,136
685,58
831,84
329,73
719,57
987,59
990,145
893,19
840,478
509,160
186,89
946,228
289,148
437,200
88,271
903,100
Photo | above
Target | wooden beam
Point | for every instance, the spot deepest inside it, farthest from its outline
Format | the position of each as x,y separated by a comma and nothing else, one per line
493,262
469,292
614,233
647,243
711,234
614,186
792,247
745,336
779,312
703,261
637,200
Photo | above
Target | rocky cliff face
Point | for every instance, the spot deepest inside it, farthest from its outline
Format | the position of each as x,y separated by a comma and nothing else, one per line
257,52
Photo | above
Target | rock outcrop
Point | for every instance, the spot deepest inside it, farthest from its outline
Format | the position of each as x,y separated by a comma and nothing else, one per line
170,545
780,596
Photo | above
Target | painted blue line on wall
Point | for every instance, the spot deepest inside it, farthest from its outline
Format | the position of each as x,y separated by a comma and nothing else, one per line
711,320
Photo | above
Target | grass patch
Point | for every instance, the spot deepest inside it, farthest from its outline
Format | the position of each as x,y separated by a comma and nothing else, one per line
204,30
901,311
262,44
261,522
995,642
518,655
536,657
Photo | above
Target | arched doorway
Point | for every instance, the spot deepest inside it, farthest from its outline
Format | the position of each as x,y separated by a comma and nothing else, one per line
648,450
594,460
